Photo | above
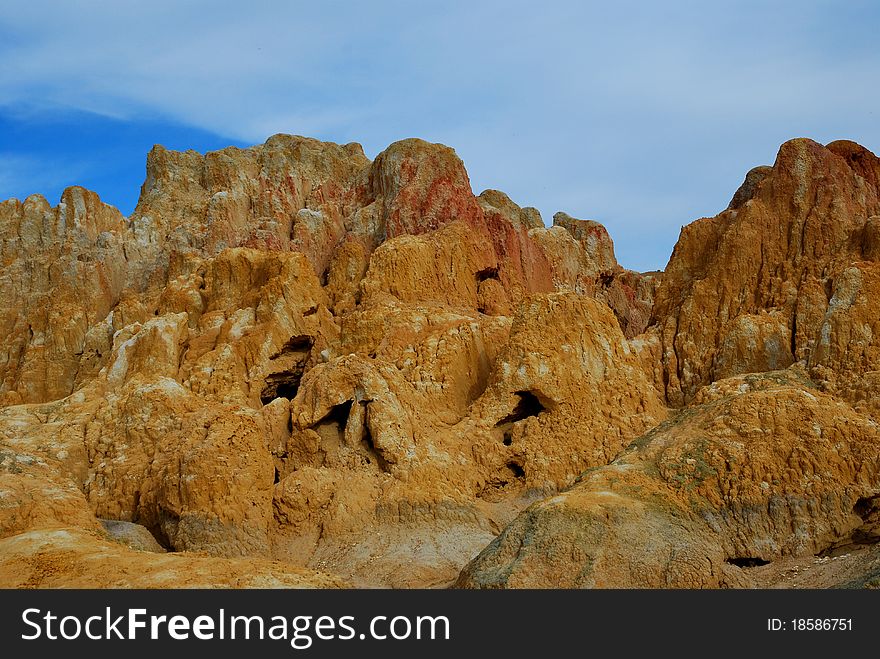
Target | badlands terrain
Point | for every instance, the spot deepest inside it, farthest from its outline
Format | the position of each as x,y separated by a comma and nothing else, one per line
294,366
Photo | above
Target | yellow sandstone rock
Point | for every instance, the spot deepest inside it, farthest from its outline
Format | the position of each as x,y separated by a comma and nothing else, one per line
291,361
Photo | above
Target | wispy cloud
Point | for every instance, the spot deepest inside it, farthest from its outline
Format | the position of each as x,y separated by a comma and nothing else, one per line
638,114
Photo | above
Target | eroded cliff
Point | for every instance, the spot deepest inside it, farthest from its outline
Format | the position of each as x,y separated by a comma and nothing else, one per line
292,365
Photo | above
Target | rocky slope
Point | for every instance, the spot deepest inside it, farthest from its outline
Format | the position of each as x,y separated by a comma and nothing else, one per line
295,366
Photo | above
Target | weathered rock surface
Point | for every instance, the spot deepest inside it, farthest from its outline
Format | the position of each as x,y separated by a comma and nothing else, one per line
749,289
775,468
589,266
292,361
63,271
132,535
73,558
757,469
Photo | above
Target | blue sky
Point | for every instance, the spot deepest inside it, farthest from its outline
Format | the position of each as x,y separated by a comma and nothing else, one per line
642,115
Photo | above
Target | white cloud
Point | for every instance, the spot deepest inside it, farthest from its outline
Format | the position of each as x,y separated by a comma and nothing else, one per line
626,111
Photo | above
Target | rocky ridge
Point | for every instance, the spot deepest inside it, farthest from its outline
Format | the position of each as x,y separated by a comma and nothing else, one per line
295,366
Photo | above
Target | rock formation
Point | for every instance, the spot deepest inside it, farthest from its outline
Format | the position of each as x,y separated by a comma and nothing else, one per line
757,465
294,366
760,467
748,290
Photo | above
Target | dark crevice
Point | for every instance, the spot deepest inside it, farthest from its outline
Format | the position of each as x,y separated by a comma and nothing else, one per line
866,535
161,538
373,453
338,414
295,344
334,424
868,508
136,507
287,389
508,438
487,273
311,311
166,520
528,406
277,476
494,488
747,561
828,284
283,384
516,470
606,279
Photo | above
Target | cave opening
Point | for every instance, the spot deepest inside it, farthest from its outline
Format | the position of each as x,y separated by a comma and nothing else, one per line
487,273
867,507
338,414
301,343
503,483
527,406
516,469
287,390
868,510
747,561
867,534
283,384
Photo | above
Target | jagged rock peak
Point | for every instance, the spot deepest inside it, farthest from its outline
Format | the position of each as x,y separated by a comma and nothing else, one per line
747,290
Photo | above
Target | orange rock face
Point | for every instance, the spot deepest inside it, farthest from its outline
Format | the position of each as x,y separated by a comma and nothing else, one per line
758,468
63,271
294,366
748,290
752,471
